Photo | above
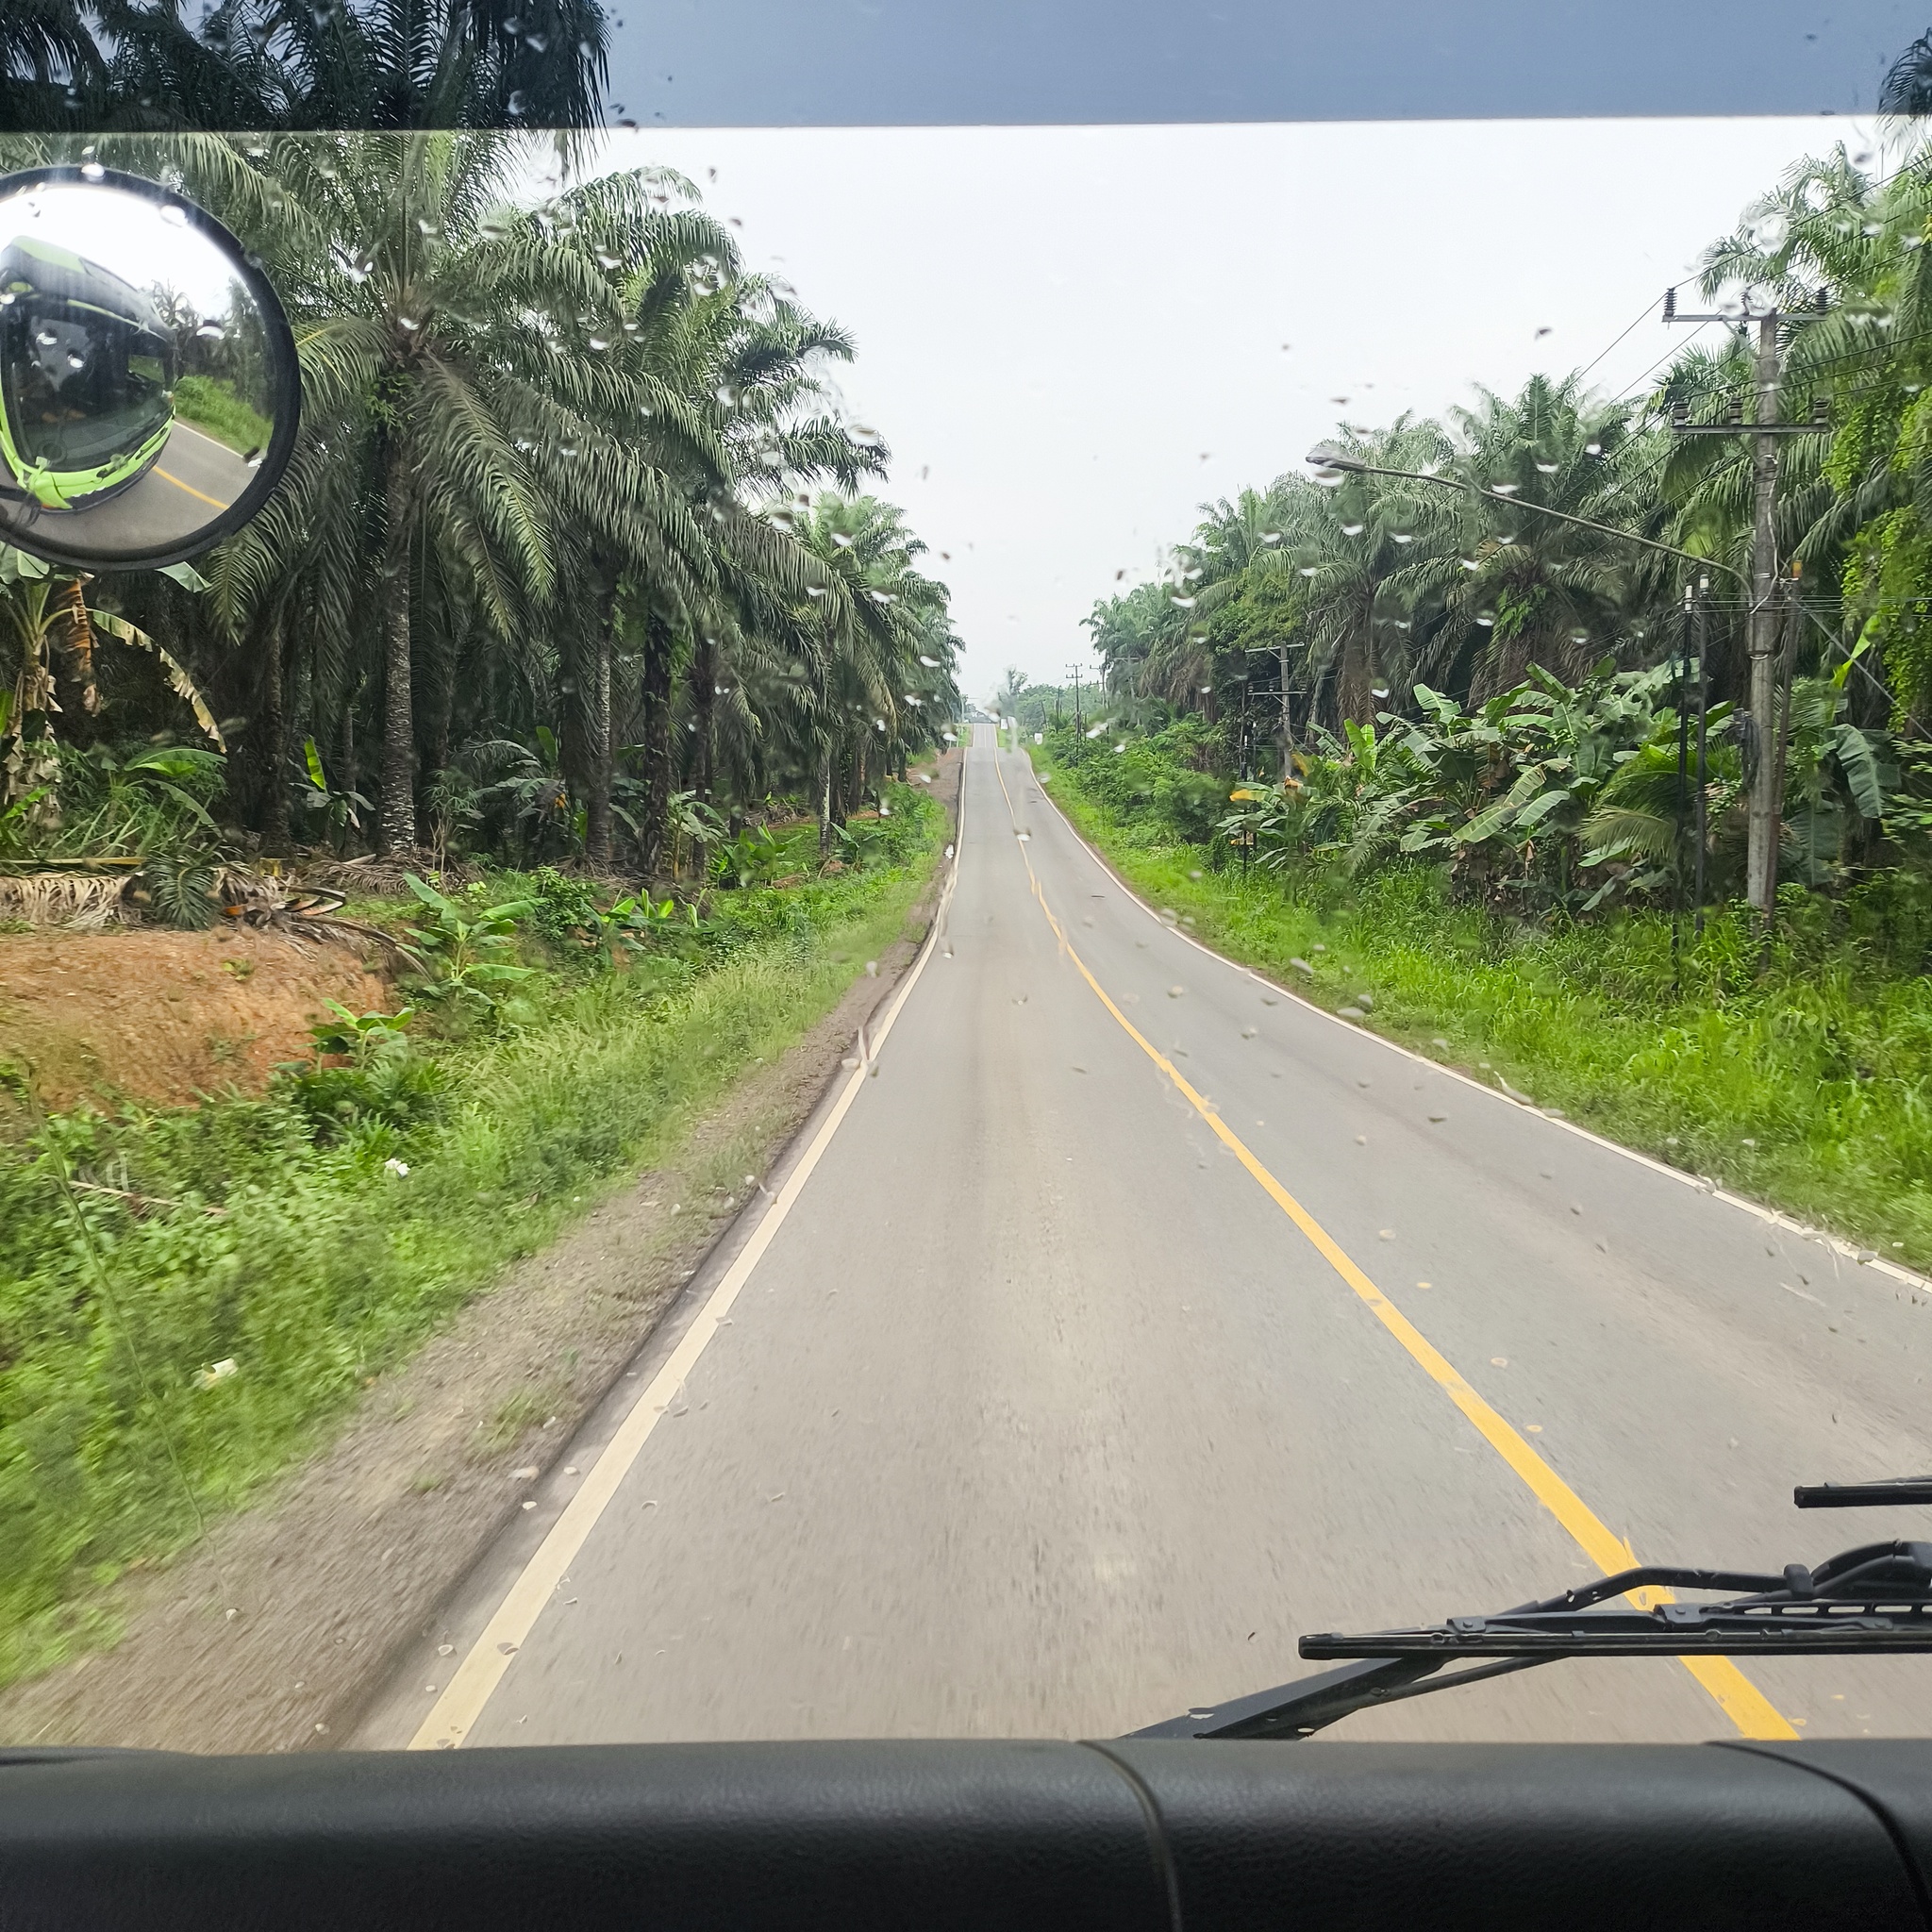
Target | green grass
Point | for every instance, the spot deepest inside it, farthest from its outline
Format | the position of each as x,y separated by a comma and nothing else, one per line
214,409
1807,1085
323,1267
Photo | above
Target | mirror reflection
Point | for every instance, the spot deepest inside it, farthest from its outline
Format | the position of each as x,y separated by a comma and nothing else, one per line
139,376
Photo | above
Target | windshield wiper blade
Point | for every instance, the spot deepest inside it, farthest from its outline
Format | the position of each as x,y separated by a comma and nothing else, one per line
1874,1598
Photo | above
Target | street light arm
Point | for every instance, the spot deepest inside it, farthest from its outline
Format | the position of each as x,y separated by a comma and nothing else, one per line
1334,459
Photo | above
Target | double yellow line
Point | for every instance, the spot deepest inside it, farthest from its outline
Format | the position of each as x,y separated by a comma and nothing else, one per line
1736,1695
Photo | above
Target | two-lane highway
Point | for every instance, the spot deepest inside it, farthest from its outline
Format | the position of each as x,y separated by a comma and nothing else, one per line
1129,1318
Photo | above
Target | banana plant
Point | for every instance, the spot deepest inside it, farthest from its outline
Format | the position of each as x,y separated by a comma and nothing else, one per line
39,614
462,957
334,810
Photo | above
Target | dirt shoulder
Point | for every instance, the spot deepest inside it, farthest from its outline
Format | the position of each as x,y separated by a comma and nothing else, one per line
273,1633
164,1016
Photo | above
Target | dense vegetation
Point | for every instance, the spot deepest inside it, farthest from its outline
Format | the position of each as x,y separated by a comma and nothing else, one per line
574,559
1405,671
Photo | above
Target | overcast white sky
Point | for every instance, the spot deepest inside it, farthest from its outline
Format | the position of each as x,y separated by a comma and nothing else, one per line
1072,337
127,236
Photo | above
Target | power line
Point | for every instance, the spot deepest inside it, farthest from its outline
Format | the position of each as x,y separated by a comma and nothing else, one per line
1677,348
1602,353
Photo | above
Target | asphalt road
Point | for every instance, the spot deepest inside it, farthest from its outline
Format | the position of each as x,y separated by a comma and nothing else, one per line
191,482
1046,1410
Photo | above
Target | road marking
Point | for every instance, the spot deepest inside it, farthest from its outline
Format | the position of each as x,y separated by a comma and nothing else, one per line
1734,1694
214,501
453,1715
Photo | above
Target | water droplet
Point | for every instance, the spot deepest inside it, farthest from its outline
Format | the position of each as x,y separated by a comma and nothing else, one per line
175,217
1485,618
518,105
1506,489
1548,469
1352,530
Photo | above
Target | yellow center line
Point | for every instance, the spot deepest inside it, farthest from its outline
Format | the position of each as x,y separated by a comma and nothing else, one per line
1736,1695
165,478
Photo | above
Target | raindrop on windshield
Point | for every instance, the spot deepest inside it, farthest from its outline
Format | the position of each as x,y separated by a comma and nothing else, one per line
1506,489
1352,530
91,170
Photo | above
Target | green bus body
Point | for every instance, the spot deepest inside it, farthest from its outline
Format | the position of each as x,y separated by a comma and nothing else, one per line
86,374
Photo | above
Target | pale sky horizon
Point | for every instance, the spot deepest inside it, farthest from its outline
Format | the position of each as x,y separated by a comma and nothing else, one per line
1072,337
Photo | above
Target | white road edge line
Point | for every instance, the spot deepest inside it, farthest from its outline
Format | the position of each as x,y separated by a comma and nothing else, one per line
455,1714
1847,1250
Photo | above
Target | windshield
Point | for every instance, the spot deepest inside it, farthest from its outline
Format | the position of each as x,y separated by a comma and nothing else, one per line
949,921
88,366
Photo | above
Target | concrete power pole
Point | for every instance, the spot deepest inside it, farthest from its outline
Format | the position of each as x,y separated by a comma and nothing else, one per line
1766,615
1761,870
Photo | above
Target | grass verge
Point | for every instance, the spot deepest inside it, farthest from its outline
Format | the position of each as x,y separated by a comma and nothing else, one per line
165,1350
1808,1086
214,409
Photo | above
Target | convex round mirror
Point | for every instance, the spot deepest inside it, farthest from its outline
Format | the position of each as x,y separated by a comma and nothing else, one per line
148,384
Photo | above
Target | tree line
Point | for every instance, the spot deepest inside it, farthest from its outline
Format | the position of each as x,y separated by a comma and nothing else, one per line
1332,611
575,551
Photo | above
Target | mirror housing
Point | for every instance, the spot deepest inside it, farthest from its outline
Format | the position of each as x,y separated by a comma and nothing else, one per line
149,388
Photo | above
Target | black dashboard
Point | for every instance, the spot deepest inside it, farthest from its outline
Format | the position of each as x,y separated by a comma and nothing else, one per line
1124,1835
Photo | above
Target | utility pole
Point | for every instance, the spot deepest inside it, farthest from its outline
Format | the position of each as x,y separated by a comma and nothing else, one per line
1766,620
1073,672
1703,772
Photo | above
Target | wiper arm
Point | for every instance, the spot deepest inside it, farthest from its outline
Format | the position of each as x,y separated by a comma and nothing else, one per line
1894,1489
1874,1598
1310,1704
